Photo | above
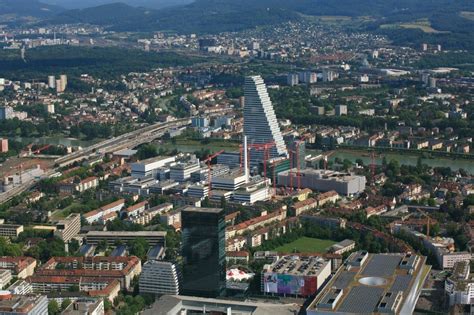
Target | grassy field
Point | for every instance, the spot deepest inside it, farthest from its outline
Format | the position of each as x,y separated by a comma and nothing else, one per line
306,245
422,24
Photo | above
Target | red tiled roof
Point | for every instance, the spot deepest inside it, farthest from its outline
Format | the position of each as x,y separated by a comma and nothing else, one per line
304,203
257,220
113,204
137,206
328,194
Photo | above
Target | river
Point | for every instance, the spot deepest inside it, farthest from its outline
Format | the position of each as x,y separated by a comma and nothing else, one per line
68,142
406,159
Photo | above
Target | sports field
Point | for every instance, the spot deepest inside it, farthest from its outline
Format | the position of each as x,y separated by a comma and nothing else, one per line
306,245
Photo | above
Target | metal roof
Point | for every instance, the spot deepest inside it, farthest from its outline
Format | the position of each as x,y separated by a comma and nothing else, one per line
381,265
361,299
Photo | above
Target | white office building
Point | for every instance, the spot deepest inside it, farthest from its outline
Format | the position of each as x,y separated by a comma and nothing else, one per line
150,167
260,122
159,278
182,171
230,182
252,193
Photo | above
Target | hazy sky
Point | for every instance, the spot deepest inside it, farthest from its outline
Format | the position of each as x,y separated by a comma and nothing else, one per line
74,4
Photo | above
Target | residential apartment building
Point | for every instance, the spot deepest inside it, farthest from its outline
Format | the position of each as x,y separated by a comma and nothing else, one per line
3,145
111,237
85,307
20,287
11,304
255,223
147,215
123,269
302,206
328,197
73,184
69,227
159,278
105,213
100,287
10,230
459,286
5,278
20,267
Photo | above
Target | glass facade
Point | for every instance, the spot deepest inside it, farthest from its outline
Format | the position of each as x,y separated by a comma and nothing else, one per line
260,122
203,251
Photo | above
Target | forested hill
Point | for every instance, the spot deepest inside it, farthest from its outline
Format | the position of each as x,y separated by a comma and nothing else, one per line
27,8
204,16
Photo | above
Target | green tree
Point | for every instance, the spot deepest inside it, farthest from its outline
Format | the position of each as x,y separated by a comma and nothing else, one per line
138,247
102,245
53,308
65,304
147,151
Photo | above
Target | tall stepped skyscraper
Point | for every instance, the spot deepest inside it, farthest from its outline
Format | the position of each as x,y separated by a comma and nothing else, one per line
260,122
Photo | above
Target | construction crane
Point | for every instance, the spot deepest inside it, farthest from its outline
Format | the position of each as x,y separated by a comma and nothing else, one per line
265,147
37,151
275,164
428,225
208,161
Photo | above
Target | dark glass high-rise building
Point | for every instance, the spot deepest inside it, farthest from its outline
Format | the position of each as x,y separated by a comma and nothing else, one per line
203,251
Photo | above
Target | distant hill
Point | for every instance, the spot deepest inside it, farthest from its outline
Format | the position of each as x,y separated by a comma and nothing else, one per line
112,15
82,4
191,18
28,8
204,16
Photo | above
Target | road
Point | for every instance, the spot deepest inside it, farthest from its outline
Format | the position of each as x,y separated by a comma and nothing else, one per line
128,140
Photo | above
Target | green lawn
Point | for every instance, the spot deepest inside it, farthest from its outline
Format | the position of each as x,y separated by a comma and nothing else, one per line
306,245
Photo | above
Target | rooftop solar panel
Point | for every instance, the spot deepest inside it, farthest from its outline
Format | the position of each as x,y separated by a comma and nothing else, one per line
381,265
361,300
401,283
344,279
